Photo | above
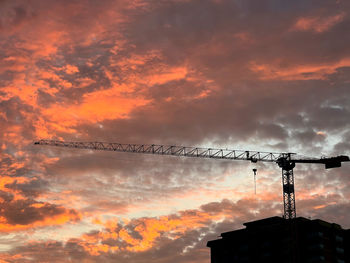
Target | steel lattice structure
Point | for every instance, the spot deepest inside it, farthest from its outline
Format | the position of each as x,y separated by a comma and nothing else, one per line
286,161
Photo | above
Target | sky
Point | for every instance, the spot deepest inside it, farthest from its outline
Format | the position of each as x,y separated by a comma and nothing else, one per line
265,75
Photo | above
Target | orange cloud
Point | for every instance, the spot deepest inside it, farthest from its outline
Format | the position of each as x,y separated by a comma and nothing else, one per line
142,234
297,72
97,106
244,38
20,213
60,219
6,180
172,74
317,24
70,69
116,102
6,258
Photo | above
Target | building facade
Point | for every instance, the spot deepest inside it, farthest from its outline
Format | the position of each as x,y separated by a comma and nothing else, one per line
276,239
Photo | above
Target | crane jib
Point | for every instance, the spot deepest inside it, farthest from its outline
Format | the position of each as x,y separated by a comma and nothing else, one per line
253,156
286,161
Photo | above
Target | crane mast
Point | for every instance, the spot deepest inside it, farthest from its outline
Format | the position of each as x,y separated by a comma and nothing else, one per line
286,161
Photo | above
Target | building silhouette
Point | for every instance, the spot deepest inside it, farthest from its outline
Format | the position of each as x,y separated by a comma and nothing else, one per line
276,239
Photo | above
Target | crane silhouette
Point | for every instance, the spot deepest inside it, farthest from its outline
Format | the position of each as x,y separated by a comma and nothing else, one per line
286,161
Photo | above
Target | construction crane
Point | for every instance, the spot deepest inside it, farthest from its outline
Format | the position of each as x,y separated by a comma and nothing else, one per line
286,161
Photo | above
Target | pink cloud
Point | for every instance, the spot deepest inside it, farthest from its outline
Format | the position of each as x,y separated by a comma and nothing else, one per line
318,24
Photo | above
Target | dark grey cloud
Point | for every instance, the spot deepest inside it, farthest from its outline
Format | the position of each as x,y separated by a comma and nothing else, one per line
22,212
29,189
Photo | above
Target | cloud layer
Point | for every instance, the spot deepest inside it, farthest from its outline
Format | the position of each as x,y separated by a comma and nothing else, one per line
255,75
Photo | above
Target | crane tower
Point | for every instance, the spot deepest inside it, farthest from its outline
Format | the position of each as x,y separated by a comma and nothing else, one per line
286,161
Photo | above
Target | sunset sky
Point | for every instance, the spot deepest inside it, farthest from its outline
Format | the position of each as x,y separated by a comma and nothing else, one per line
266,75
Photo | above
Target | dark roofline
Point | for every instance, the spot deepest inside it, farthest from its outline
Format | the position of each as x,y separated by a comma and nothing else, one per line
264,221
271,221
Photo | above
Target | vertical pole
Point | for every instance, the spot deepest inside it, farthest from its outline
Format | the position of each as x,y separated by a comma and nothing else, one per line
288,191
289,205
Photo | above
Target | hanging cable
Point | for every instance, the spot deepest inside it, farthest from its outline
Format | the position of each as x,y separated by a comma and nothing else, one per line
255,170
